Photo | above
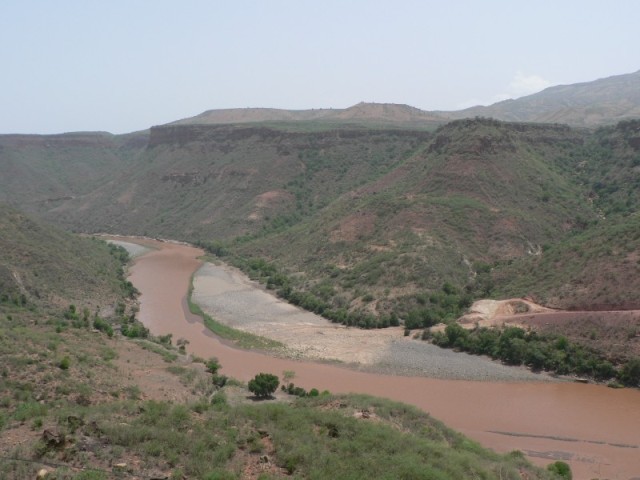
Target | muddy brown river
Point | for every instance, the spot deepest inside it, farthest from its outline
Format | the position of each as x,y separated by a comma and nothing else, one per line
593,428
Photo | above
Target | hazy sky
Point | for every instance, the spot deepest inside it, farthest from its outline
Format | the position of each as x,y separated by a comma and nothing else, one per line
124,65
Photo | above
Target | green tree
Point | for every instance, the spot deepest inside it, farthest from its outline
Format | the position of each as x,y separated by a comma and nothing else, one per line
630,373
213,365
561,469
263,385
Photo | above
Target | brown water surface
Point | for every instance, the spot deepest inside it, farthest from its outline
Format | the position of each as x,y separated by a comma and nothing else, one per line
593,428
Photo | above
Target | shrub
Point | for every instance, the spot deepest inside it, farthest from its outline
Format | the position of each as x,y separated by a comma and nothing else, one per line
263,385
561,469
65,363
213,365
220,380
103,326
630,373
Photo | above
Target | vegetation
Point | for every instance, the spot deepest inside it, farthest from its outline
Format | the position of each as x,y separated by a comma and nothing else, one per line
263,385
214,435
561,469
554,353
364,223
240,338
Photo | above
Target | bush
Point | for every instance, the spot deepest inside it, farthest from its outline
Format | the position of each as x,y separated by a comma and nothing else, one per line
65,363
103,326
213,365
561,469
630,373
263,385
220,380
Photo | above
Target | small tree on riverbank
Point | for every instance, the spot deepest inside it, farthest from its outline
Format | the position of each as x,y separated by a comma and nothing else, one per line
263,385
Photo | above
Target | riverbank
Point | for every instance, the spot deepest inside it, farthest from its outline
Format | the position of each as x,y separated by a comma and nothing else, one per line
545,420
226,294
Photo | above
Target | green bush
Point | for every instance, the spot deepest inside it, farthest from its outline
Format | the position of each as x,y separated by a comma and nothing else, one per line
630,373
561,469
263,385
65,363
103,326
213,365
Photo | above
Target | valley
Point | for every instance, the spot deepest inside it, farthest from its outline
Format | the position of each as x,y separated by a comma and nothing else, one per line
556,420
340,249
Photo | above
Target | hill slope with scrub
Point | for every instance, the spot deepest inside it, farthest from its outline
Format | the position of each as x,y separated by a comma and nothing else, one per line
375,222
369,210
79,402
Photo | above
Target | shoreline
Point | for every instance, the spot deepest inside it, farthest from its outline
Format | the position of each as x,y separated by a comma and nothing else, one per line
586,431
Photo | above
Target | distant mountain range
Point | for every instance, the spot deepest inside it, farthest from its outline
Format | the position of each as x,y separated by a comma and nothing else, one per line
590,104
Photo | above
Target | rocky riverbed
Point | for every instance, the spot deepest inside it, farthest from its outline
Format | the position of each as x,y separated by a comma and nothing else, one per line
231,298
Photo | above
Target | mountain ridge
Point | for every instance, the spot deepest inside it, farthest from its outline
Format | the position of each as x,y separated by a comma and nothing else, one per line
594,103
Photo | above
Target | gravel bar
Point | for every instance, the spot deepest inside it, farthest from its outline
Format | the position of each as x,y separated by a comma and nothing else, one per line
230,297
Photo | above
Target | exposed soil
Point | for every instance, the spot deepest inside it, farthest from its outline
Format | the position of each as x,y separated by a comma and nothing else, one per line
615,333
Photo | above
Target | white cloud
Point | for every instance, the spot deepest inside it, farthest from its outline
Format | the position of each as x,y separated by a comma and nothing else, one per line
526,85
520,85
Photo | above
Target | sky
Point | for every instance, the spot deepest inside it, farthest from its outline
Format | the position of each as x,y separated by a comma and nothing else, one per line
125,65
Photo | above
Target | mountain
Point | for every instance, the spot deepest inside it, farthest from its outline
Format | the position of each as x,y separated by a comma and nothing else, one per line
201,181
371,219
365,209
366,114
590,104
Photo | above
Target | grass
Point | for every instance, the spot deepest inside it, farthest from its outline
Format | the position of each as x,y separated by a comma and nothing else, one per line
101,425
321,437
166,353
239,338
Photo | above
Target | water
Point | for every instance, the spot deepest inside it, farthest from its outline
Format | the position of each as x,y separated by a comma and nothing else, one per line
593,428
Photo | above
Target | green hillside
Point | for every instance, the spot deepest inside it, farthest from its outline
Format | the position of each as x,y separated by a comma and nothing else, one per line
476,193
211,181
41,171
371,222
44,266
81,403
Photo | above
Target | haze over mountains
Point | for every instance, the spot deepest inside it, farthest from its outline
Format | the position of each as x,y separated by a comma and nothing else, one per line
372,207
600,102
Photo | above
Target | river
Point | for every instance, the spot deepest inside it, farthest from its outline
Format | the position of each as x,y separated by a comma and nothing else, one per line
593,428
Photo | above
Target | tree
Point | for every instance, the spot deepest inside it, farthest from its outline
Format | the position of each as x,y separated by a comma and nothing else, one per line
630,373
562,469
213,365
263,385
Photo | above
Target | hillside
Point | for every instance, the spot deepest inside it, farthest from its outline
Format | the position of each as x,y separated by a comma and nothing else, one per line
600,102
43,266
596,266
200,182
79,403
476,193
372,220
41,171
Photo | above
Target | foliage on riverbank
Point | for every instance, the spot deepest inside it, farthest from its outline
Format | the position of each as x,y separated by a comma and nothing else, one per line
553,353
416,311
77,416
